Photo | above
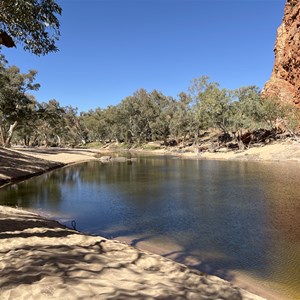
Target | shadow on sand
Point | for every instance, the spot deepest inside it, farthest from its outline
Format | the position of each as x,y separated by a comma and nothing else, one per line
35,251
15,166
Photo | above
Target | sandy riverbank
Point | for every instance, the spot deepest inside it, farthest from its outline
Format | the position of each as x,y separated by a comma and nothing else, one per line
42,259
281,151
22,163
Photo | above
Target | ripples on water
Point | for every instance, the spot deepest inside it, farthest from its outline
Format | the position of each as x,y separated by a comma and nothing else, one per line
227,215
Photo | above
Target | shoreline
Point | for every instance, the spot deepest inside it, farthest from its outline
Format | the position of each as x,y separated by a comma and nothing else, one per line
241,279
64,157
43,259
275,152
18,164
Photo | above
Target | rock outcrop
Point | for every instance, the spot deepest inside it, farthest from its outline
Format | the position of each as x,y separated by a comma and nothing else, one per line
285,79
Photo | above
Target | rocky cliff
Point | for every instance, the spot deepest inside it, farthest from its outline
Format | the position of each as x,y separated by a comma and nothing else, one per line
285,79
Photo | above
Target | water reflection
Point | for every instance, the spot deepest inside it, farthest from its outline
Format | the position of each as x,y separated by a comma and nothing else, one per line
228,215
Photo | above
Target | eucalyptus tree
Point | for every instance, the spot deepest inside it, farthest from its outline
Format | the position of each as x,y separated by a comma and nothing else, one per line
212,104
15,103
95,124
28,131
160,114
183,122
252,111
75,131
51,124
290,120
32,23
137,110
116,123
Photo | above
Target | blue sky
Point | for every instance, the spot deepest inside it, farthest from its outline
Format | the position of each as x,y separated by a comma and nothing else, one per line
111,48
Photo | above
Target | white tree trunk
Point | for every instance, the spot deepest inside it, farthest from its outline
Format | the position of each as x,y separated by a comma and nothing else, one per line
11,131
58,140
2,131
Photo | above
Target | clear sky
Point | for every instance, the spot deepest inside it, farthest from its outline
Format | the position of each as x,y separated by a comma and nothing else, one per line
111,48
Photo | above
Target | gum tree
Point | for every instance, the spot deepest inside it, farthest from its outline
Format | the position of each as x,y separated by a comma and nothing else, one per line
212,104
15,103
32,23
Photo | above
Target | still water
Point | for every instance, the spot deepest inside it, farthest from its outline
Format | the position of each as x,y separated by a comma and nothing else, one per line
227,216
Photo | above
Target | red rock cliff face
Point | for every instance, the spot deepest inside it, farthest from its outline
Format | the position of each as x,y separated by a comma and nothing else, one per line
285,79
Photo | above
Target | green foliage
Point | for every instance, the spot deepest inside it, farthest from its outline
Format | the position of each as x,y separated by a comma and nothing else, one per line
32,23
253,111
75,131
140,118
115,121
212,104
145,117
138,111
162,114
15,104
51,122
94,122
183,122
246,112
290,117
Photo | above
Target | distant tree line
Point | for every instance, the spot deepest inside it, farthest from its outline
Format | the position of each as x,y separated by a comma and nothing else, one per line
235,115
238,117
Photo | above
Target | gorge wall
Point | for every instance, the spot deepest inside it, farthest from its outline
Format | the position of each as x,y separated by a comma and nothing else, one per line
285,79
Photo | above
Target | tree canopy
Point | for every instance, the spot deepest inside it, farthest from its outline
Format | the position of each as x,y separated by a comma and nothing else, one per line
32,23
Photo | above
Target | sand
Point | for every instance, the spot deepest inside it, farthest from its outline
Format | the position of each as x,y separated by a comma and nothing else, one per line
281,151
22,163
41,259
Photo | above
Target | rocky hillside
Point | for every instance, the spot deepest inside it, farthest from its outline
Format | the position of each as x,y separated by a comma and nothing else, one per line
285,79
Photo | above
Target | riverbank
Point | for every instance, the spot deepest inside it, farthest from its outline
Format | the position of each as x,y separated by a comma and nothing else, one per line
21,163
41,259
30,160
279,151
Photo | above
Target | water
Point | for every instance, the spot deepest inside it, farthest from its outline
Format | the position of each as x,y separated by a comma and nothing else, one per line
226,216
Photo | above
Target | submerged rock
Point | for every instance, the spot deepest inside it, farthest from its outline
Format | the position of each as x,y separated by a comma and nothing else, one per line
105,158
119,159
108,158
